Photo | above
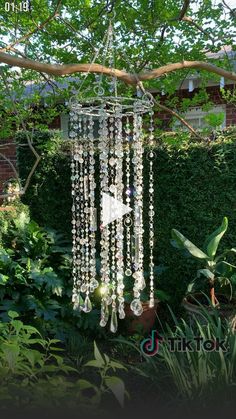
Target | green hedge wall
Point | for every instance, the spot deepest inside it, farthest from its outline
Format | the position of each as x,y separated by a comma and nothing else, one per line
195,186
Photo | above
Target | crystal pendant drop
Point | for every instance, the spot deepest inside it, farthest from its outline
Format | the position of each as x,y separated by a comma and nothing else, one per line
121,314
128,272
93,285
114,322
136,307
151,303
103,322
87,305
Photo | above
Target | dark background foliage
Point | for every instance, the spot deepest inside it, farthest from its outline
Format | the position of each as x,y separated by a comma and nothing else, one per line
194,189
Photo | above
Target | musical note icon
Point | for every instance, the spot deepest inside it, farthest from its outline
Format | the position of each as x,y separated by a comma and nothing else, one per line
150,345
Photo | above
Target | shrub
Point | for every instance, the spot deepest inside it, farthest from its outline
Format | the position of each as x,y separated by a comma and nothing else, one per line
35,278
33,372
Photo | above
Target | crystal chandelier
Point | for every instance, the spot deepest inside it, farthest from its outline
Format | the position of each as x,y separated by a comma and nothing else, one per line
107,134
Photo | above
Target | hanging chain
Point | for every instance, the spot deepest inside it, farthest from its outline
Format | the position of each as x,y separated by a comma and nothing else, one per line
128,219
151,209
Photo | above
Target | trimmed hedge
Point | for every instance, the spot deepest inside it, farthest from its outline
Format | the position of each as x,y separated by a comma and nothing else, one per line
195,186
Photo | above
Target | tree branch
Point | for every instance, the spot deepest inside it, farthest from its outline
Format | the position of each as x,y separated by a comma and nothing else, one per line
12,167
192,22
177,116
64,69
184,9
232,11
173,113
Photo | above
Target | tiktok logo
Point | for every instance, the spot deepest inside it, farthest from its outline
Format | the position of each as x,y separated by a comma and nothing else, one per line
150,346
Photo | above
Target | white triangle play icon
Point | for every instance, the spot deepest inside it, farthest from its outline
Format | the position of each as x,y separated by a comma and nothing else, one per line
112,209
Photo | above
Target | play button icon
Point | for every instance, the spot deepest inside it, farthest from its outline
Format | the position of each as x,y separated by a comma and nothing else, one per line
112,209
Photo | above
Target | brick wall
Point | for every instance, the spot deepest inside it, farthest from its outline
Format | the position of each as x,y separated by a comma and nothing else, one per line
214,95
9,151
6,172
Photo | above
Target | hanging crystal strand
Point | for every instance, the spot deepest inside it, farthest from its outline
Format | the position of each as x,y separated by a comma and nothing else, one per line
92,214
104,241
111,58
75,247
113,190
128,220
119,154
139,283
81,214
87,303
151,210
76,208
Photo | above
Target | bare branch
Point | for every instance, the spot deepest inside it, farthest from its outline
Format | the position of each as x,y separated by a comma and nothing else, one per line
64,69
184,9
200,65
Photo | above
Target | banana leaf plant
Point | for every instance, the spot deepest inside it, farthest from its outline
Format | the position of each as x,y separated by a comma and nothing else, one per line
215,267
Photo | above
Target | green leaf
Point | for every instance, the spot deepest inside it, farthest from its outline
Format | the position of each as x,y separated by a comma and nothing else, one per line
225,269
3,279
94,363
11,353
107,359
117,387
98,355
117,365
207,273
48,277
32,355
183,243
212,242
12,314
84,384
191,287
4,258
18,325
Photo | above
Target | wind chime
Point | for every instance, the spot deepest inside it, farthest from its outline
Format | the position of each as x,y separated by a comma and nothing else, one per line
108,132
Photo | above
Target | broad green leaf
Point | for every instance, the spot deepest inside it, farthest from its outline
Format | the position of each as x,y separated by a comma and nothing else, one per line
117,387
49,278
11,353
4,257
84,384
225,269
98,355
32,355
207,273
212,242
233,279
183,243
17,324
94,363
